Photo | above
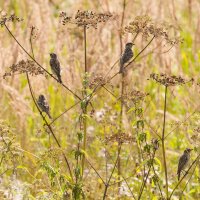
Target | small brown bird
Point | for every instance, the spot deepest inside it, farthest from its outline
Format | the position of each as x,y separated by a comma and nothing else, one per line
44,106
126,56
183,161
55,66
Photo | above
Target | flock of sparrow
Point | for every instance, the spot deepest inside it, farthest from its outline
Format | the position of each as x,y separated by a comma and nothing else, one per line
125,57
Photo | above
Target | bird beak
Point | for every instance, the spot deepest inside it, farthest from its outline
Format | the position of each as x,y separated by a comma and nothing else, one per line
191,149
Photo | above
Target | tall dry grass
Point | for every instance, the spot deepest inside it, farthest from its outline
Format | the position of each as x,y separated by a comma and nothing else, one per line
40,172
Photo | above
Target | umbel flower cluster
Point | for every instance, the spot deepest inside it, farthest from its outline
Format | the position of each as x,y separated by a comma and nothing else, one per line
8,18
85,18
120,138
147,28
97,80
23,66
168,80
134,96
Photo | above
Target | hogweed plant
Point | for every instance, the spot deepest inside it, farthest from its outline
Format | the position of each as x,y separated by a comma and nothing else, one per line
115,151
86,20
167,81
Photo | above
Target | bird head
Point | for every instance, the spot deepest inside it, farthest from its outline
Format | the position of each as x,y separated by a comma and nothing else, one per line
188,150
129,45
41,97
53,55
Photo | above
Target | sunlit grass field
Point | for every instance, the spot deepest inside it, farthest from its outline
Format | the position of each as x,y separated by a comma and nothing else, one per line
112,135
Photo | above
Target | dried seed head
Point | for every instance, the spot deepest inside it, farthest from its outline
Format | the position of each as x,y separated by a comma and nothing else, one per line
134,96
34,32
147,28
85,18
120,138
4,18
96,80
27,66
139,25
168,80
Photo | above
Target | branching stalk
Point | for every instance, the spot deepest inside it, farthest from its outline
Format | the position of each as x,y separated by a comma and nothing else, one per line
85,95
121,103
108,182
145,179
163,142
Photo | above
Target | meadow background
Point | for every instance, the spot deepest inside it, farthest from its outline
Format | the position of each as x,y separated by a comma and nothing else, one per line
32,165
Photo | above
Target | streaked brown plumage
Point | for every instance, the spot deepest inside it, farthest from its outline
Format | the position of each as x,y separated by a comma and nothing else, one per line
44,106
183,161
55,66
126,56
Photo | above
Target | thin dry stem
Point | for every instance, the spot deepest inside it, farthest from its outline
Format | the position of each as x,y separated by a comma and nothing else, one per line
163,142
85,94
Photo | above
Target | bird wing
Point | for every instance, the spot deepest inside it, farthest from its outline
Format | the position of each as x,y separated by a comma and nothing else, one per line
55,66
121,61
40,103
128,54
51,62
182,162
46,105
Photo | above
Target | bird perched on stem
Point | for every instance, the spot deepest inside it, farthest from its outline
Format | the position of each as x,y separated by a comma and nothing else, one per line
44,106
55,66
126,56
183,161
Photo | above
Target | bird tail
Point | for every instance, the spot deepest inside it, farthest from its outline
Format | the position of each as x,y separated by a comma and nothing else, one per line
59,79
178,173
121,68
49,115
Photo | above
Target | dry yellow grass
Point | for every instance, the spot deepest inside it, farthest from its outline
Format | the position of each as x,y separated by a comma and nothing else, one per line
103,49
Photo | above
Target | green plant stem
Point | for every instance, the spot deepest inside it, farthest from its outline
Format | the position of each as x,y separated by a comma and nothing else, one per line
107,183
120,130
85,95
145,180
158,182
95,171
163,142
85,49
